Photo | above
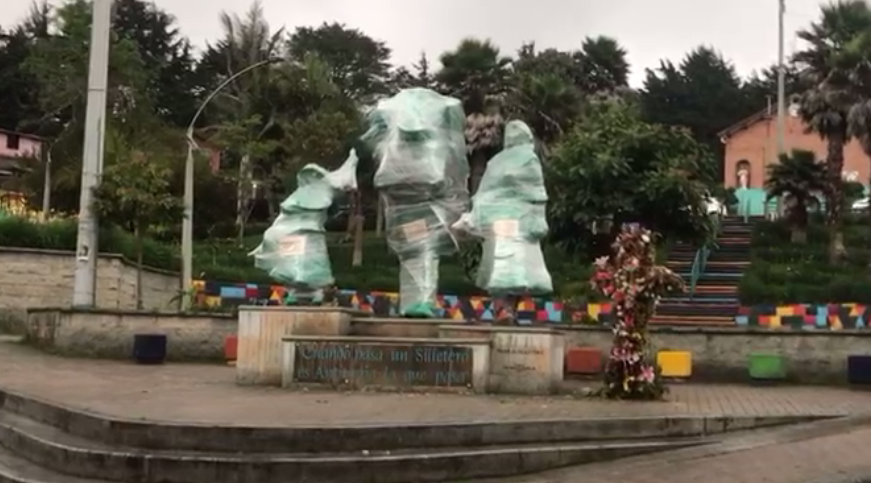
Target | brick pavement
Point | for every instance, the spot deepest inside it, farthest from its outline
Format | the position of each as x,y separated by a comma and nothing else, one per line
841,458
208,394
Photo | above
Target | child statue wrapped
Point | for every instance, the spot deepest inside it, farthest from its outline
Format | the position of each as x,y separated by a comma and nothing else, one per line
417,138
509,213
294,248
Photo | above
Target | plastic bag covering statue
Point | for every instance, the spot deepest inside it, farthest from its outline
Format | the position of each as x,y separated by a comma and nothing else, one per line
509,213
422,174
294,248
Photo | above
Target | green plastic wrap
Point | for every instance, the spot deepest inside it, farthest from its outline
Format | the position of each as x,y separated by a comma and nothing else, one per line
509,213
294,248
418,141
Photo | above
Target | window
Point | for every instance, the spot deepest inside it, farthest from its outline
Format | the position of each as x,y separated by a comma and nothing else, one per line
13,141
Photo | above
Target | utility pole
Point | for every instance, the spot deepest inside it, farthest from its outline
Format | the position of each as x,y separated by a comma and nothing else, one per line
92,154
781,93
781,81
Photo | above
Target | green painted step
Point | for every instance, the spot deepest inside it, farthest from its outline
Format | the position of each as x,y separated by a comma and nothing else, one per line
767,367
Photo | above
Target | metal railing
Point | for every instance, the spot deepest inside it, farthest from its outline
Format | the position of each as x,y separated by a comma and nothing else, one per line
700,261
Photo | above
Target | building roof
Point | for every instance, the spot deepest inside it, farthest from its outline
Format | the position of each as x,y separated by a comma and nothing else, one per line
745,123
22,134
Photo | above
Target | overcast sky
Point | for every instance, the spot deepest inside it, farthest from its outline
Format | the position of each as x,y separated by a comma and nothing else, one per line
745,31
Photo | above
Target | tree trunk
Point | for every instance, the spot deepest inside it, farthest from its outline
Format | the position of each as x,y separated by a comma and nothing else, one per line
379,217
243,195
835,204
359,221
798,235
478,164
139,249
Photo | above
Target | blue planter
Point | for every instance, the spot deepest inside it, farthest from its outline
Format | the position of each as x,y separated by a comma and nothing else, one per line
859,369
149,348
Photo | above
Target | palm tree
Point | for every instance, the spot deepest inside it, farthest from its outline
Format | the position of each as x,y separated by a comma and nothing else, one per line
477,74
603,64
825,107
245,106
797,179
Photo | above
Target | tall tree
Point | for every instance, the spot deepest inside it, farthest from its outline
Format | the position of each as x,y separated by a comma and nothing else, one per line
359,65
544,93
478,74
19,90
702,93
603,65
614,168
166,57
825,106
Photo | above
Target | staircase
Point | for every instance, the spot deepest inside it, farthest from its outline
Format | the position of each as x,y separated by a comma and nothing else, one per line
714,302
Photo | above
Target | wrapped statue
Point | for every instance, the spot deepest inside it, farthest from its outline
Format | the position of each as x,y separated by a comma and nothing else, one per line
509,213
418,142
294,248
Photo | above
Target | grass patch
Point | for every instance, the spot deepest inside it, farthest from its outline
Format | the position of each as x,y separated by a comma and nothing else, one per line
785,273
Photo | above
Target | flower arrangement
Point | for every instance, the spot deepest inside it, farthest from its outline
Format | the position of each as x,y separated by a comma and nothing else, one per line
634,283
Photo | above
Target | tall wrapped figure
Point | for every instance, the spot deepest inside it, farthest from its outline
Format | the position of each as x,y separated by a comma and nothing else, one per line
418,142
294,248
509,214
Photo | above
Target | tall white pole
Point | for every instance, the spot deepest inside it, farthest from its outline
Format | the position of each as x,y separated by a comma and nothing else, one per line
781,92
92,155
781,81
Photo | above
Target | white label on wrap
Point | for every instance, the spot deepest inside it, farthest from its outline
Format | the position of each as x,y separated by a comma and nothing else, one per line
415,230
292,245
506,228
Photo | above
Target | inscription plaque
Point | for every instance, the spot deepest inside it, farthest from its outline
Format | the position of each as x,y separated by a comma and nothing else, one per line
361,364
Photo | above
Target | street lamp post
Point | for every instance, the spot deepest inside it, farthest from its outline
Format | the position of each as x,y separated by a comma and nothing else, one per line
187,229
84,288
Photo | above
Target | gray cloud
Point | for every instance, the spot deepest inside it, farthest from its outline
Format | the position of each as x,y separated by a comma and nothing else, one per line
745,31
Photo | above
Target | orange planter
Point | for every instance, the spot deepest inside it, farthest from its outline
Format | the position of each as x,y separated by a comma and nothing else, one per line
584,360
231,344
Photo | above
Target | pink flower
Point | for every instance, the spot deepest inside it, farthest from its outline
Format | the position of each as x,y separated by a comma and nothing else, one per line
647,374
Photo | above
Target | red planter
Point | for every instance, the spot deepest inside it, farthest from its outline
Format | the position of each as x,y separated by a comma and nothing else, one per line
584,360
231,344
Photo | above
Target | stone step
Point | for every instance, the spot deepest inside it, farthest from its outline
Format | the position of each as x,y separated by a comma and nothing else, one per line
60,452
696,309
692,321
14,469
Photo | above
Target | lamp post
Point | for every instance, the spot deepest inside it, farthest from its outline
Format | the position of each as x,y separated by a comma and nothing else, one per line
92,154
187,228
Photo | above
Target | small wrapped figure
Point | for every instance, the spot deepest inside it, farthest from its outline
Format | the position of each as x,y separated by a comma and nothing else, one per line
294,248
509,213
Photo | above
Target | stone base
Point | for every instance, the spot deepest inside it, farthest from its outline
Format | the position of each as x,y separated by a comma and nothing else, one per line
522,360
386,363
262,328
398,327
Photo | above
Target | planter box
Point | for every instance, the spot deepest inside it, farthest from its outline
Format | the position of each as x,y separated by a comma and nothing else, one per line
767,367
859,369
677,364
584,360
149,348
231,347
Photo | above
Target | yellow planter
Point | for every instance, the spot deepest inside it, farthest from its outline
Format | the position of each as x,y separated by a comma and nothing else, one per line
675,363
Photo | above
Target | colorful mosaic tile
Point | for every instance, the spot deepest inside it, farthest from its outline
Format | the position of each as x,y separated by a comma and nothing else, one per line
537,310
805,316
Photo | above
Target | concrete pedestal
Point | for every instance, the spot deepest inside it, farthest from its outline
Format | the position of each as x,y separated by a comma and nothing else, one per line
522,360
259,351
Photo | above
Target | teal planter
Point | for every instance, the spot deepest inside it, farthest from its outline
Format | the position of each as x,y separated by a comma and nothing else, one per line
767,367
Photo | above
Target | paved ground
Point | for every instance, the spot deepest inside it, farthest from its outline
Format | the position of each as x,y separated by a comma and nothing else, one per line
207,393
203,393
834,459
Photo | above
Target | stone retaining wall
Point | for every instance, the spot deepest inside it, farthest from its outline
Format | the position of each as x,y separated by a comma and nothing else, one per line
721,355
44,278
109,333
